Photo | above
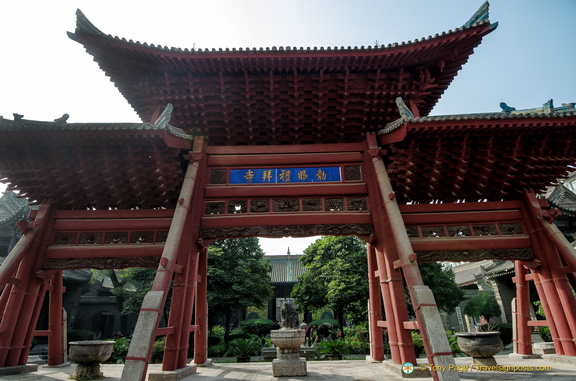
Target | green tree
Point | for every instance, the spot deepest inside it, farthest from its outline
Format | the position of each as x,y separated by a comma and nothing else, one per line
440,279
238,277
336,277
482,304
130,286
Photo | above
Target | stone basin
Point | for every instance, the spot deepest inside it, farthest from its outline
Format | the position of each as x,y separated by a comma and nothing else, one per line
88,355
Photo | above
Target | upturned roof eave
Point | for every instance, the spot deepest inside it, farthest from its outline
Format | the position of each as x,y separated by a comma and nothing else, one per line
85,30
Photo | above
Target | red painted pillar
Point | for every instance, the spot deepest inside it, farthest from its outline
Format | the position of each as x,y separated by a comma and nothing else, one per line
523,336
201,309
544,281
55,345
18,314
388,308
188,307
400,310
375,307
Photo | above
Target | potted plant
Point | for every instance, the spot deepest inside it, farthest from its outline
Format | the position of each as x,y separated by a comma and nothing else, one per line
244,348
483,344
334,349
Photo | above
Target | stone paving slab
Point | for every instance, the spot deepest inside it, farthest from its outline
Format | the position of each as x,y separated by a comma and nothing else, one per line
345,370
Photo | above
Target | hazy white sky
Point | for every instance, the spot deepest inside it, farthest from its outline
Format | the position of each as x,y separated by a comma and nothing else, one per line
43,74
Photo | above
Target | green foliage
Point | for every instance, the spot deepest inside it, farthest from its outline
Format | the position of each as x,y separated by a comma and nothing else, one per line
259,326
319,322
218,350
440,279
244,347
238,277
80,335
357,339
335,276
453,342
545,334
482,304
120,350
158,349
334,347
418,343
267,342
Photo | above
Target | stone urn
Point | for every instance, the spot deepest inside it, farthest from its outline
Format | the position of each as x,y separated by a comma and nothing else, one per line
288,340
482,346
88,355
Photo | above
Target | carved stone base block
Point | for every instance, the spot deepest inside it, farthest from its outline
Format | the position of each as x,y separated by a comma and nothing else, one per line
289,367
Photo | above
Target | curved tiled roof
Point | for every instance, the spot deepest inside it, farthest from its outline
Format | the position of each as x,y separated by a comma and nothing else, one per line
282,95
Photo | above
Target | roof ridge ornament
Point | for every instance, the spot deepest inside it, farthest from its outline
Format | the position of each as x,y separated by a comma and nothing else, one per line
163,123
83,24
547,108
481,15
405,115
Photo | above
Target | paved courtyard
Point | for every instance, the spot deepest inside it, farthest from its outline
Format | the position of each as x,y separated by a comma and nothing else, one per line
331,370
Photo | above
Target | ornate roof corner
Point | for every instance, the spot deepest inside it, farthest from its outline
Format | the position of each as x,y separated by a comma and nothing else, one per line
164,118
480,16
405,116
163,123
84,25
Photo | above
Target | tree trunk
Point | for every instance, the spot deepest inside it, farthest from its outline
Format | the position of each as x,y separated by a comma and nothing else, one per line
227,327
119,302
340,317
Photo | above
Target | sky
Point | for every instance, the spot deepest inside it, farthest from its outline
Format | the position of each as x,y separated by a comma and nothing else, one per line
527,60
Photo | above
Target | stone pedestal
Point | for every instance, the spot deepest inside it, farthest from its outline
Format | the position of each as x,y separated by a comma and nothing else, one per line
288,365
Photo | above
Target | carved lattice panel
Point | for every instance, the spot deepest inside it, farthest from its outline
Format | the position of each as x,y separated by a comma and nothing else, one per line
240,206
115,237
90,238
142,237
312,204
259,206
458,230
334,204
215,207
286,205
65,238
484,229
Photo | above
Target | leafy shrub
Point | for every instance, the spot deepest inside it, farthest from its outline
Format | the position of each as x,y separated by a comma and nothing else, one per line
258,326
244,347
80,335
235,336
358,339
453,342
334,347
158,349
120,350
218,350
418,343
545,334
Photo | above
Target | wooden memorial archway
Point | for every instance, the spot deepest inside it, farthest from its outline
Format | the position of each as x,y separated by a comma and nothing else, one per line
285,142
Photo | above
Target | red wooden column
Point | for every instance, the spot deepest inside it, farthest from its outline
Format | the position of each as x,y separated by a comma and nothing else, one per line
428,317
388,308
557,306
183,233
55,322
179,321
523,336
398,303
26,294
374,307
201,311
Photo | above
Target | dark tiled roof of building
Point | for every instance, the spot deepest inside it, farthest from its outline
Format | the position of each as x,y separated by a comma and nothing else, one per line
285,268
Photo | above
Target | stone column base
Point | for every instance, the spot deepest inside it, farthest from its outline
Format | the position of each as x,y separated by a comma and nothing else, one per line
288,368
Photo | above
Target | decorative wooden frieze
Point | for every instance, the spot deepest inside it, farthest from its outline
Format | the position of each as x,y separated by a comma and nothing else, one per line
99,263
465,230
524,254
286,230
